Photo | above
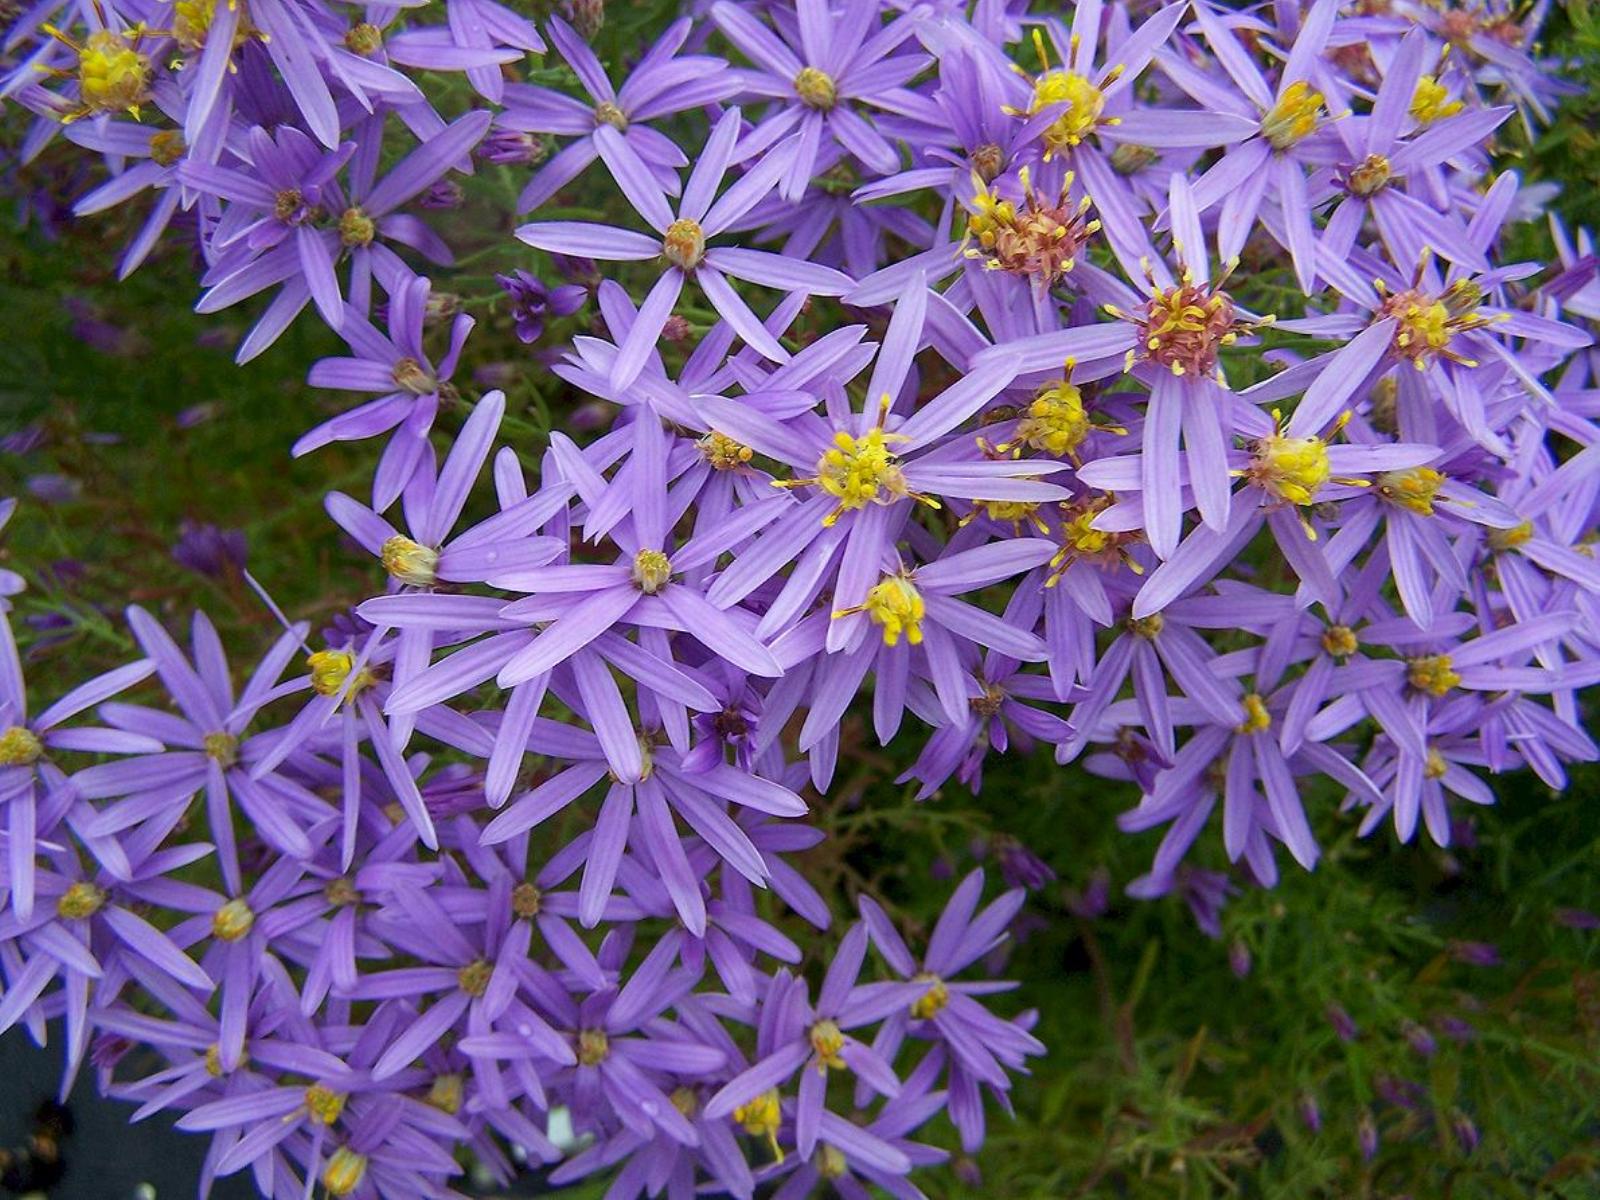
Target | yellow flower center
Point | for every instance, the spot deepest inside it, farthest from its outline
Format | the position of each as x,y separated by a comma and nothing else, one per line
79,902
356,229
829,1161
987,160
525,900
816,88
446,1093
112,75
1256,717
685,1101
411,376
213,1060
723,453
166,147
1340,641
1510,539
1184,327
593,1047
608,113
221,748
324,1104
1085,104
1147,627
1436,765
1426,325
408,561
232,921
897,606
761,1117
1370,175
473,979
363,38
1294,117
651,571
1129,158
1291,468
1431,102
933,1001
1041,239
20,747
1432,673
827,1041
858,470
684,244
344,1172
329,670
1413,489
191,23
1056,422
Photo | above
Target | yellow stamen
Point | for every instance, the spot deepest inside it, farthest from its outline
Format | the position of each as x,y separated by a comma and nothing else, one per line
1413,489
1294,117
815,88
684,244
1433,674
232,921
593,1047
344,1172
828,1042
1431,102
80,902
20,747
933,1001
1256,719
408,561
324,1104
651,571
762,1116
897,606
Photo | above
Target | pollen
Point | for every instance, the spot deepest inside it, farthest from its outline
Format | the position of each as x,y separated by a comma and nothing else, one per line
167,147
112,75
651,570
192,19
221,748
213,1061
933,1001
1256,717
356,228
446,1093
829,1161
896,605
331,668
408,561
1147,627
20,747
1185,327
1370,175
1340,641
409,375
593,1047
1081,540
1413,489
684,244
526,900
858,471
607,113
1427,325
1431,102
762,1116
1436,765
1433,674
324,1104
816,88
1056,421
723,453
344,1172
828,1042
1291,468
1510,539
1294,117
363,38
1041,238
1085,106
473,979
80,902
232,921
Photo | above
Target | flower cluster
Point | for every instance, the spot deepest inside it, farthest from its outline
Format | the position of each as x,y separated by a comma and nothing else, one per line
1157,389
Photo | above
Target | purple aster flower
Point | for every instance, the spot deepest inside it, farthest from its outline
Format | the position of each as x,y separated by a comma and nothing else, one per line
532,302
682,242
661,84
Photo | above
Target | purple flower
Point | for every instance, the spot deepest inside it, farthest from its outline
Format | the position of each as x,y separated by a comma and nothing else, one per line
531,302
208,550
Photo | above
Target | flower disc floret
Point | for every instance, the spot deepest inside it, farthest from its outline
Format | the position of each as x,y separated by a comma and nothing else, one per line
593,1047
1370,175
1434,674
221,748
816,88
896,605
933,1001
20,747
324,1104
232,921
828,1043
80,902
1413,489
1291,468
409,561
1295,116
344,1172
651,571
684,243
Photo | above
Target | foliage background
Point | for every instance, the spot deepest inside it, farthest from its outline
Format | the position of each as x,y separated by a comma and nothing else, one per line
1179,1065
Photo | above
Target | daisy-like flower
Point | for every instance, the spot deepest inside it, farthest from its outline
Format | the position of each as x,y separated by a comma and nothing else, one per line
681,242
663,83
